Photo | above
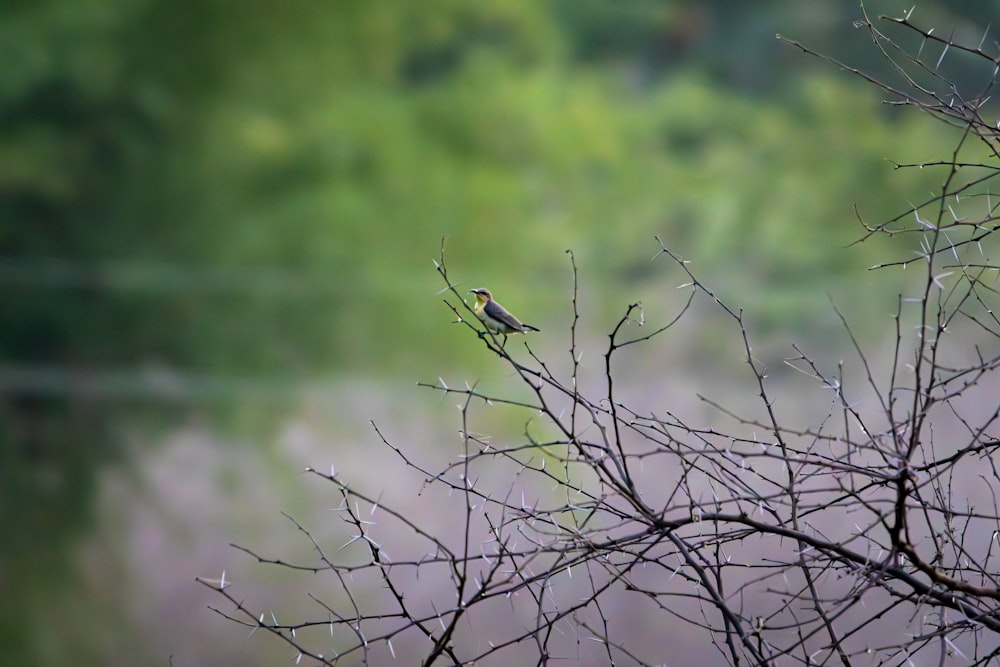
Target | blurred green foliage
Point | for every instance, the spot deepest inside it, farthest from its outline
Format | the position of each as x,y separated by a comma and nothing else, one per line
257,191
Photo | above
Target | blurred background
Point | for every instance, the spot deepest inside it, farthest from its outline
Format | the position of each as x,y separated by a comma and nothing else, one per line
217,227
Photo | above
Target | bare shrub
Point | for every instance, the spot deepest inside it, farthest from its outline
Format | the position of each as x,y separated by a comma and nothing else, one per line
610,534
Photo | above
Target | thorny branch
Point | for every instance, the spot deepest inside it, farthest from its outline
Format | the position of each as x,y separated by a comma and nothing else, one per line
867,537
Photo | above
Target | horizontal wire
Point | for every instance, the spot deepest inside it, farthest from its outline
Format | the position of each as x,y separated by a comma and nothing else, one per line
146,276
158,383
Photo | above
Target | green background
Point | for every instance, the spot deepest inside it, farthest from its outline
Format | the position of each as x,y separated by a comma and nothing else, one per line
214,215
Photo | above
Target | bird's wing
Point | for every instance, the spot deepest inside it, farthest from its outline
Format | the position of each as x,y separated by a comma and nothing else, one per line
500,314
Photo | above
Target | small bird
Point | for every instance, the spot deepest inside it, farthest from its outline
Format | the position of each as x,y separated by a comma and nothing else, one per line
494,316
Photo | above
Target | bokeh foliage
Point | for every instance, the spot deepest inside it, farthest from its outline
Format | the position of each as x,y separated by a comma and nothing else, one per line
256,192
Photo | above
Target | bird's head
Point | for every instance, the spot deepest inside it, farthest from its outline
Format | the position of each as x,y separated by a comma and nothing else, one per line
482,294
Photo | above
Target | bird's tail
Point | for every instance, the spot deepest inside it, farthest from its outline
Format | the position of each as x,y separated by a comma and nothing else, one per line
528,327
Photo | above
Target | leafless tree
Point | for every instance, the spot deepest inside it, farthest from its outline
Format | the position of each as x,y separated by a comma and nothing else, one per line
868,536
